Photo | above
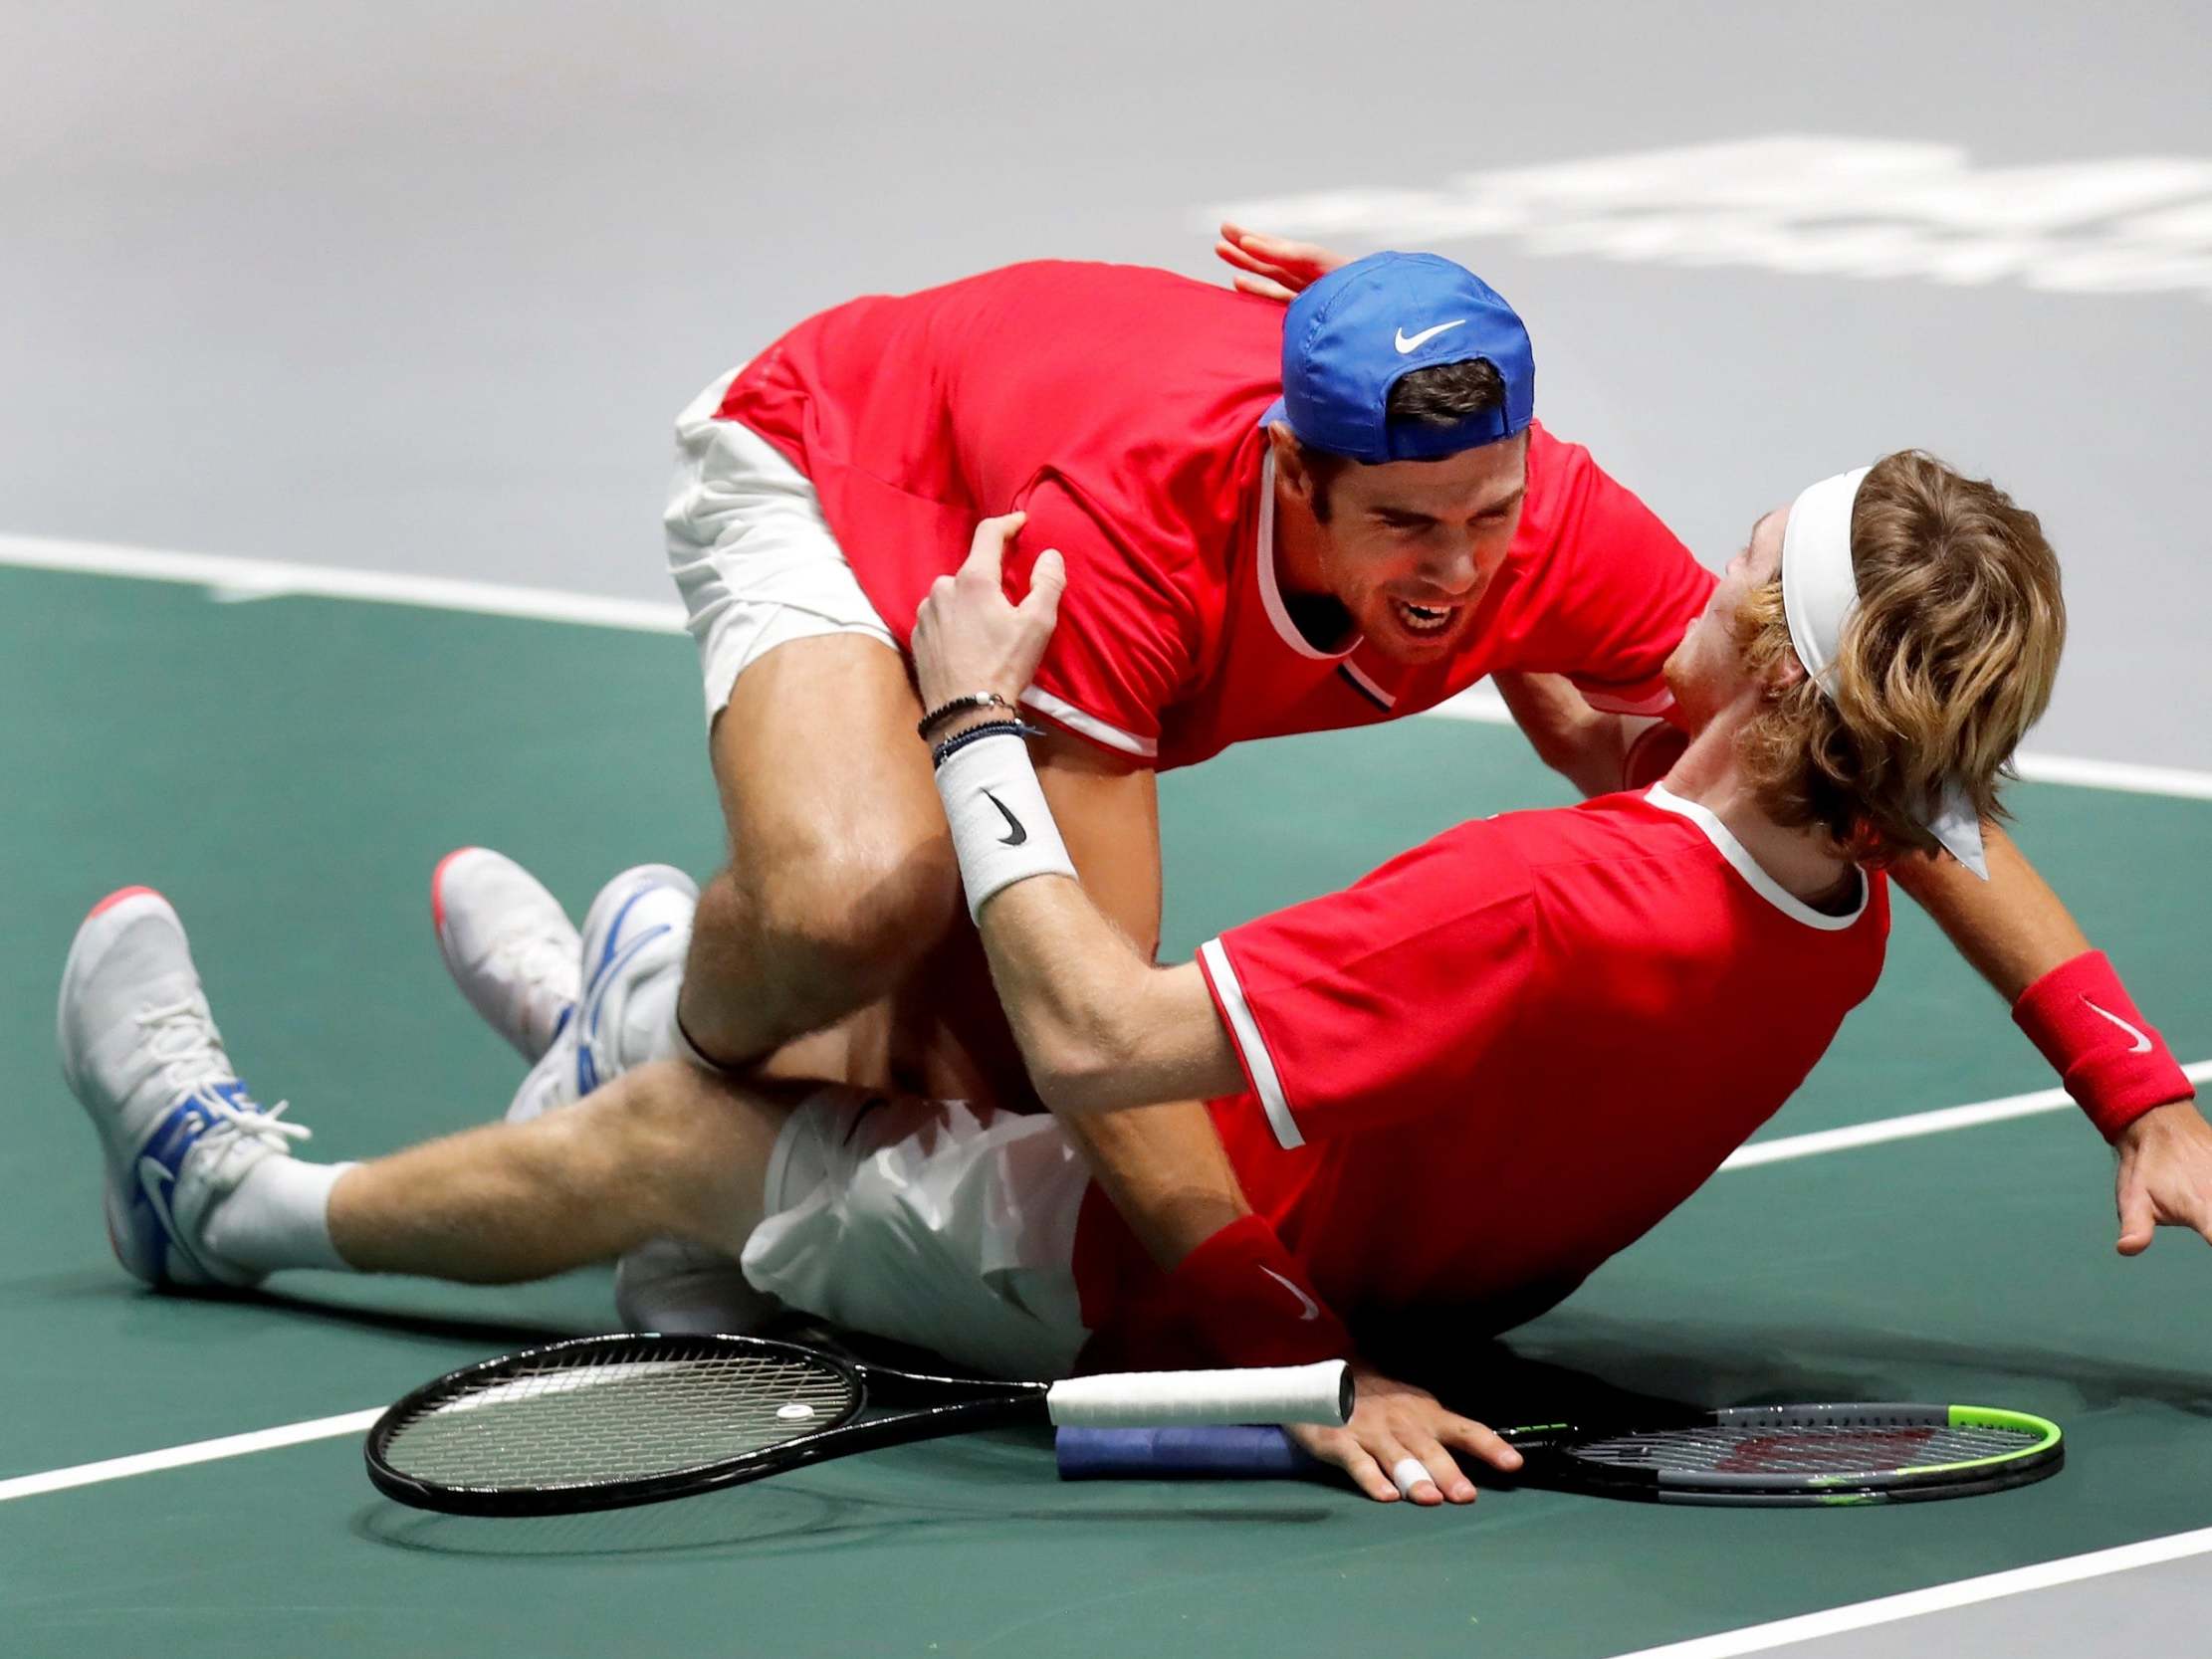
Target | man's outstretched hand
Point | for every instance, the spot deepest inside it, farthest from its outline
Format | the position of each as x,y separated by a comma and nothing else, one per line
1394,1421
2165,1174
968,639
1274,267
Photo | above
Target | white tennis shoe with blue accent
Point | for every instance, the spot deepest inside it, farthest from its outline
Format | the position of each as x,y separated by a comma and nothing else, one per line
141,1054
508,946
637,929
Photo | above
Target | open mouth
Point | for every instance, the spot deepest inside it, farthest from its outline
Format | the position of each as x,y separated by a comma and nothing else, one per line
1424,619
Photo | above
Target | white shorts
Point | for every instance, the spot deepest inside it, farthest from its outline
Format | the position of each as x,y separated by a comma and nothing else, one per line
750,549
930,1222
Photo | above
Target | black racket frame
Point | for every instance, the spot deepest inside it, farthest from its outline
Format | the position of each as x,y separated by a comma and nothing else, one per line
928,1407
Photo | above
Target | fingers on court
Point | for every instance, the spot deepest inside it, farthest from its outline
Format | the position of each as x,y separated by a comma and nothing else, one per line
1340,1447
1444,1482
2139,1219
1467,1435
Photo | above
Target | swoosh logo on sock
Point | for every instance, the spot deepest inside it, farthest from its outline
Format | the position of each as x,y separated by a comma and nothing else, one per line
2143,1041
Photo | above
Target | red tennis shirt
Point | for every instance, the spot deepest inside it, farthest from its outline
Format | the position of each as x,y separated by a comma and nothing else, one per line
1507,1054
1120,408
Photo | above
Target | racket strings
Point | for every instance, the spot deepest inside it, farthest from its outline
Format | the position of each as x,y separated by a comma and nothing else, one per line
617,1415
1826,1449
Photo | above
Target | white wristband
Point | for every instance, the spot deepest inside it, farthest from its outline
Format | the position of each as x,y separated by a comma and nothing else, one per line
1002,828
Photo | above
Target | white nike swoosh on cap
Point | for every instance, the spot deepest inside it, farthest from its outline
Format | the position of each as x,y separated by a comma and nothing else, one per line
1312,1311
1408,344
2143,1042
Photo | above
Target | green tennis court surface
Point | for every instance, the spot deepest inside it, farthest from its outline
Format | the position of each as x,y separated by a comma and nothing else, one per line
288,771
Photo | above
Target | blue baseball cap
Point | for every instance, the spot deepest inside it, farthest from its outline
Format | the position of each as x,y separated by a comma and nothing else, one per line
1352,335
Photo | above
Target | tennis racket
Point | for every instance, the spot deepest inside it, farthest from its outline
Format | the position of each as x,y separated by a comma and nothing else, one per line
1781,1455
604,1422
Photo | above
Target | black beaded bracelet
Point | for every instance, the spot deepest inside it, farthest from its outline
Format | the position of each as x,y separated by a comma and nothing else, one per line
945,710
976,734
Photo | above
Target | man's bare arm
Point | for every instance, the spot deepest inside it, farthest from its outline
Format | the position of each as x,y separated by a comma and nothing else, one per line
2012,928
1099,1023
1087,1043
1596,752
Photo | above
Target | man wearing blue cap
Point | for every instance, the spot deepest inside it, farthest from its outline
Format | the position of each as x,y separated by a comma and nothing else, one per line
1271,529
1270,523
1268,531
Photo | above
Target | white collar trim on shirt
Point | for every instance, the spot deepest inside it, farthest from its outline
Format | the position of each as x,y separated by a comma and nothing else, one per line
1270,586
1764,885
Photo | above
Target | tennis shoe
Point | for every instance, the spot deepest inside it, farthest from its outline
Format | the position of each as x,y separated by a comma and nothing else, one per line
508,946
141,1054
550,1082
637,929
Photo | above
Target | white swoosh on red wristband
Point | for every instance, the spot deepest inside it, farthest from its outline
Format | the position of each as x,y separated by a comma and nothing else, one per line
1312,1308
2143,1042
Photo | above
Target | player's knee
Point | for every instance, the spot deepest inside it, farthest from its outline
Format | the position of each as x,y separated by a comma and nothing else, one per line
655,1127
865,909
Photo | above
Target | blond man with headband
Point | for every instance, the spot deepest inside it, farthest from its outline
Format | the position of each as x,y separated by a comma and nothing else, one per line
1467,1080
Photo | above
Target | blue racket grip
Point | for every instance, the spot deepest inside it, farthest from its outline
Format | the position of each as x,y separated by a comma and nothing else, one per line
1247,1452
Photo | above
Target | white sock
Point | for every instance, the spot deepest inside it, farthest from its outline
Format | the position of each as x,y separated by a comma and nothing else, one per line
277,1217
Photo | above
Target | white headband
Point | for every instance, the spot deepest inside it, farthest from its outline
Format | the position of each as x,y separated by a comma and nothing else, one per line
1820,590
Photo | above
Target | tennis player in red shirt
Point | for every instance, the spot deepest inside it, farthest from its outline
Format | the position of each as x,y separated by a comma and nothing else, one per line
1273,522
1461,1081
1233,582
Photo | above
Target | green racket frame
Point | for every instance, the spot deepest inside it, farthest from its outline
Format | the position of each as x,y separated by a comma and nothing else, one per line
1564,1456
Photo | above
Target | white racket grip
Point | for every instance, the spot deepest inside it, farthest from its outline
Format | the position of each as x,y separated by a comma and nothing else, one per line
1317,1393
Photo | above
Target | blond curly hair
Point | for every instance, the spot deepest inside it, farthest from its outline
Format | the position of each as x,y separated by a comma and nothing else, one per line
1944,665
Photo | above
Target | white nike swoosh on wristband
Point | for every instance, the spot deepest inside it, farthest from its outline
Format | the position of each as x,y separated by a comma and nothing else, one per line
2143,1042
1408,344
1312,1308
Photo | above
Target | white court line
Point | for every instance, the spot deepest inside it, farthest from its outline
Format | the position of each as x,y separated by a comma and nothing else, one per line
239,581
1785,1148
1483,705
177,1457
1760,1638
1765,1152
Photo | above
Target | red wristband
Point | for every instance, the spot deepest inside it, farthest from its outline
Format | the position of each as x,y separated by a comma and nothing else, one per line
2112,1059
1238,1298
